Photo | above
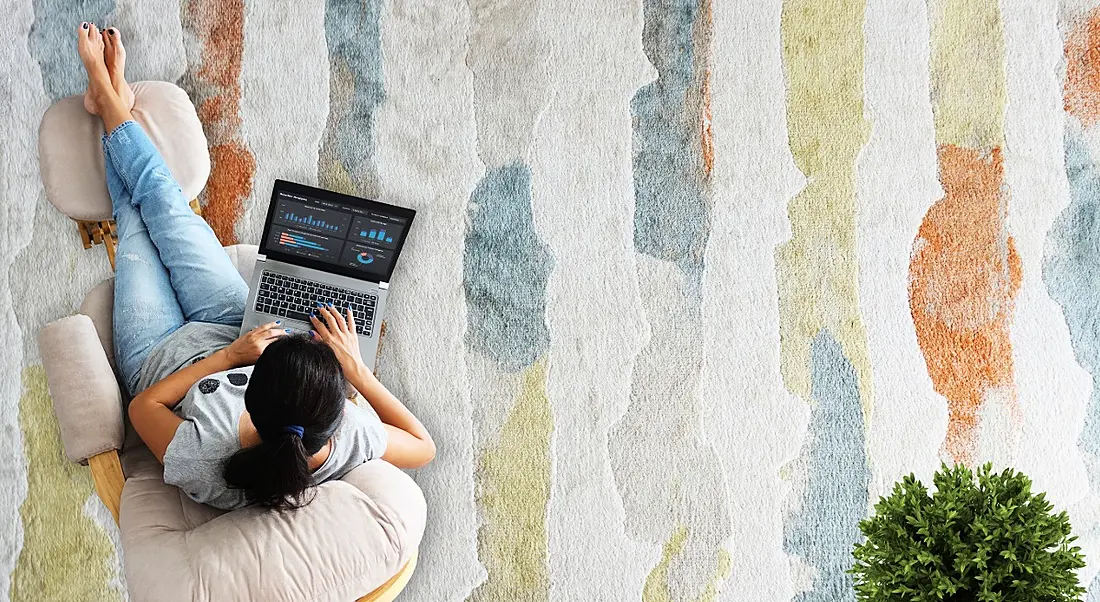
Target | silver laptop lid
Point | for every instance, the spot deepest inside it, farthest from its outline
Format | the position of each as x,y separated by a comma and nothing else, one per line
333,232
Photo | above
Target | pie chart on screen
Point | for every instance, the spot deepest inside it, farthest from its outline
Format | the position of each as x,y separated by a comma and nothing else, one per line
365,258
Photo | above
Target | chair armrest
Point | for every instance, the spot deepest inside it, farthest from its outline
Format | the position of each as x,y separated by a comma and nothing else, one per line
85,393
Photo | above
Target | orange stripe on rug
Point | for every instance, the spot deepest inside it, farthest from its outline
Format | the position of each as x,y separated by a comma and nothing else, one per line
1082,85
963,278
215,81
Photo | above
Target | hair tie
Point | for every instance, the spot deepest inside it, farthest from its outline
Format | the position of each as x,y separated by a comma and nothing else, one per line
294,429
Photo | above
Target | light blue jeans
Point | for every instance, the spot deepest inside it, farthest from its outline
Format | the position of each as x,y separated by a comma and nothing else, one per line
170,268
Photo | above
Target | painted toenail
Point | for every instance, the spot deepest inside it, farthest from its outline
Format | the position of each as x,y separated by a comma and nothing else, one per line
84,25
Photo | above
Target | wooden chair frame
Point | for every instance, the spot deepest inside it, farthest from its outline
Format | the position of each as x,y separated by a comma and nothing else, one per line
104,233
106,468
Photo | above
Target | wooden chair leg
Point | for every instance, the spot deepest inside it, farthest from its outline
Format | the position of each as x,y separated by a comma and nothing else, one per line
108,478
96,230
105,233
390,589
110,242
85,235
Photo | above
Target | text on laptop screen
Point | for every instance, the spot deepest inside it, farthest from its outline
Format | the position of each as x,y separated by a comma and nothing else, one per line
361,239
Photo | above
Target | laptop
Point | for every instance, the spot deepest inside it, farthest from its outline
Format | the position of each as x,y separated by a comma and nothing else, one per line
325,246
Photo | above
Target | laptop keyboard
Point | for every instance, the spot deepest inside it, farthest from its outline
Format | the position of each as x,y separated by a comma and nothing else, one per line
290,297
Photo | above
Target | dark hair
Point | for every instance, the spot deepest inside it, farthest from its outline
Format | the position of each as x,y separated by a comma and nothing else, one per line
296,382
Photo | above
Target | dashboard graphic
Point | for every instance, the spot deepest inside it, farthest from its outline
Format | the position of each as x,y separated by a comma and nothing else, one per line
379,235
358,238
296,240
308,219
304,244
375,230
312,217
364,256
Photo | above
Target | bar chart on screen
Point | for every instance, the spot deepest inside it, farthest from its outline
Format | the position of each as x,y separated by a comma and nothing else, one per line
312,218
375,231
296,240
304,244
378,235
308,219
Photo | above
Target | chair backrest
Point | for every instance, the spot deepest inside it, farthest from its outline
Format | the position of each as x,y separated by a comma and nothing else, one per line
357,533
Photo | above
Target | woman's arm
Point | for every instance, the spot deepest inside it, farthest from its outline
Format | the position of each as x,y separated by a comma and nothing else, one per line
409,445
151,410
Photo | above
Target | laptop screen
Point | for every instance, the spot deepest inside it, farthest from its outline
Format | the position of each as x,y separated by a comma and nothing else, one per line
333,232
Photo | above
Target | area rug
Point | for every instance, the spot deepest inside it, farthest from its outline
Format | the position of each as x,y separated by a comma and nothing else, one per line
692,283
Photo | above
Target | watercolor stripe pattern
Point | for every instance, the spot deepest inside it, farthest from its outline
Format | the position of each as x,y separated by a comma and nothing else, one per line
691,284
965,270
823,343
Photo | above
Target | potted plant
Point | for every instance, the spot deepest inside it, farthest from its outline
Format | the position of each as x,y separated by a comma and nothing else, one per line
980,539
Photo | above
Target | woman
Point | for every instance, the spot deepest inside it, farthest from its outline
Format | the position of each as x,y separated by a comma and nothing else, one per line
259,418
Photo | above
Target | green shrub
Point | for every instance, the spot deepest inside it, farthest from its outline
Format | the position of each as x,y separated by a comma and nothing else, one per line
984,541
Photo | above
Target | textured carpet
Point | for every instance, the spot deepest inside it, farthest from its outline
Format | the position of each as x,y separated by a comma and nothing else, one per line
692,282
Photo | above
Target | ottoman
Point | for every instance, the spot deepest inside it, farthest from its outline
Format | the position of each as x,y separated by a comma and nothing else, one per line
70,155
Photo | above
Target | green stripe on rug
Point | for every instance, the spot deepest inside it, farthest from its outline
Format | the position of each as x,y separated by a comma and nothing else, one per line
514,488
657,585
66,556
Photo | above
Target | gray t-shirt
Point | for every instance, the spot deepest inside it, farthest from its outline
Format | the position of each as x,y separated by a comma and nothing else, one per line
188,344
211,412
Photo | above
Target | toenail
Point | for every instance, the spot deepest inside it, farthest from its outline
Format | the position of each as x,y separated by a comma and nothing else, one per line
84,25
111,31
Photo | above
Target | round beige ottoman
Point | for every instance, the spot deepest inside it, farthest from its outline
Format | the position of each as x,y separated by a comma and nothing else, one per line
70,153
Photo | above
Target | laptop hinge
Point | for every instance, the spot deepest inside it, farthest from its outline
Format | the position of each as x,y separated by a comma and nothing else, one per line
384,286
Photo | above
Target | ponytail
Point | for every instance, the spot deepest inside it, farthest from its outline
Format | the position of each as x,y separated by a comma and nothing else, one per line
295,399
275,473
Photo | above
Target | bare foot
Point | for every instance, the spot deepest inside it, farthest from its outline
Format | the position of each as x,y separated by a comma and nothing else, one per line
114,55
89,44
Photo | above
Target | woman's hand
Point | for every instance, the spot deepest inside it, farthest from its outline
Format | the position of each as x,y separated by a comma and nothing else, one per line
339,333
248,347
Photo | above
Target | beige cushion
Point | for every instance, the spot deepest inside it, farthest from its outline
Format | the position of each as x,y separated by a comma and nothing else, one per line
98,305
356,534
70,153
244,257
86,397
